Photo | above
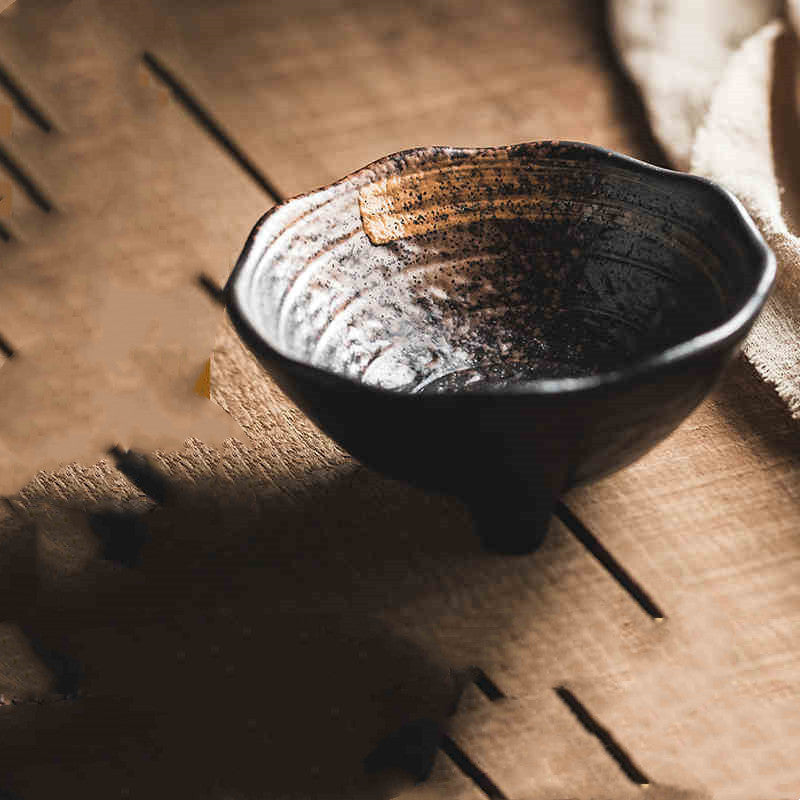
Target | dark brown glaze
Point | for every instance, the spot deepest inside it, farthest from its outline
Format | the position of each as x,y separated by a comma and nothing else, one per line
502,323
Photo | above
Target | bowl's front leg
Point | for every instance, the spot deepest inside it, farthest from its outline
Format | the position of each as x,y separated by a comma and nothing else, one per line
512,514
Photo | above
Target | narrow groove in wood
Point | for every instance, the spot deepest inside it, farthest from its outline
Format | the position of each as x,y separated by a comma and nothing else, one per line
5,347
204,118
611,746
411,748
612,566
212,288
24,102
486,685
24,181
68,673
141,473
470,768
122,535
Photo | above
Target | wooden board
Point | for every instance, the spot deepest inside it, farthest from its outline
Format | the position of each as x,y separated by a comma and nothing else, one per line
266,612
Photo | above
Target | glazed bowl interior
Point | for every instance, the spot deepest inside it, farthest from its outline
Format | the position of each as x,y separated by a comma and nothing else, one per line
467,270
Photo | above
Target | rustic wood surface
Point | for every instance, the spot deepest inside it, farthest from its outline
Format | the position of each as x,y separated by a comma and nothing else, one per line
266,612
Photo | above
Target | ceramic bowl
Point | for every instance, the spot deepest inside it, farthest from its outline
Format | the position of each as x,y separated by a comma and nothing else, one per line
501,324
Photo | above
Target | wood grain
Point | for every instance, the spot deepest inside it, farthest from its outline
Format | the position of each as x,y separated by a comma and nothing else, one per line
100,295
289,608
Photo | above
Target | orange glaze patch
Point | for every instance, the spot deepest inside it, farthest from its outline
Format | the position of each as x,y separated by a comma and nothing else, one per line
410,204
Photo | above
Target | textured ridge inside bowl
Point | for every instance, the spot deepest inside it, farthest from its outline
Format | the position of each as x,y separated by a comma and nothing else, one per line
450,270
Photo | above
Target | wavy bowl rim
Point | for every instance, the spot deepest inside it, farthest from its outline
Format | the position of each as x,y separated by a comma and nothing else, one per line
726,333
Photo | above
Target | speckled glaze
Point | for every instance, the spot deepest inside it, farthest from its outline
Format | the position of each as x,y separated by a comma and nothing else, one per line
501,323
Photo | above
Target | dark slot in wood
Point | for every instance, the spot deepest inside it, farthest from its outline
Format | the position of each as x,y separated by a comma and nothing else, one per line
486,684
5,233
412,748
212,288
67,672
470,768
24,181
212,127
122,534
612,566
141,473
24,102
5,347
611,746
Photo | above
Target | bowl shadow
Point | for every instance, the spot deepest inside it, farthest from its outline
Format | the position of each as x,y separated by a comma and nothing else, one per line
242,647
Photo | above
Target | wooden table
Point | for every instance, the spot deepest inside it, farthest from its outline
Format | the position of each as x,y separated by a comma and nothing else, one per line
252,619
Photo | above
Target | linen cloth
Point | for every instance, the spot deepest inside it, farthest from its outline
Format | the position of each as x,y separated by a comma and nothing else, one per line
719,83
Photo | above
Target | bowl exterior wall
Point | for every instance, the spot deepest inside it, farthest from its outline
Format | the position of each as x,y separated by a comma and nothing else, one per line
513,443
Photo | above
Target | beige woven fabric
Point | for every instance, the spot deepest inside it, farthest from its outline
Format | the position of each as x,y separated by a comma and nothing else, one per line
676,52
737,146
719,83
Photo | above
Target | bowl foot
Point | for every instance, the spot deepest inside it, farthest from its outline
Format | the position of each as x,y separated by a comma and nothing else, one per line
512,529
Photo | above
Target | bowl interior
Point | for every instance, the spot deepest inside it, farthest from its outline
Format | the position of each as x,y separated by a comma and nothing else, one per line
447,270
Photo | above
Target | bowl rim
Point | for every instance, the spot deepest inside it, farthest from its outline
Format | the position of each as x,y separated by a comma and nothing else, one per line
727,332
